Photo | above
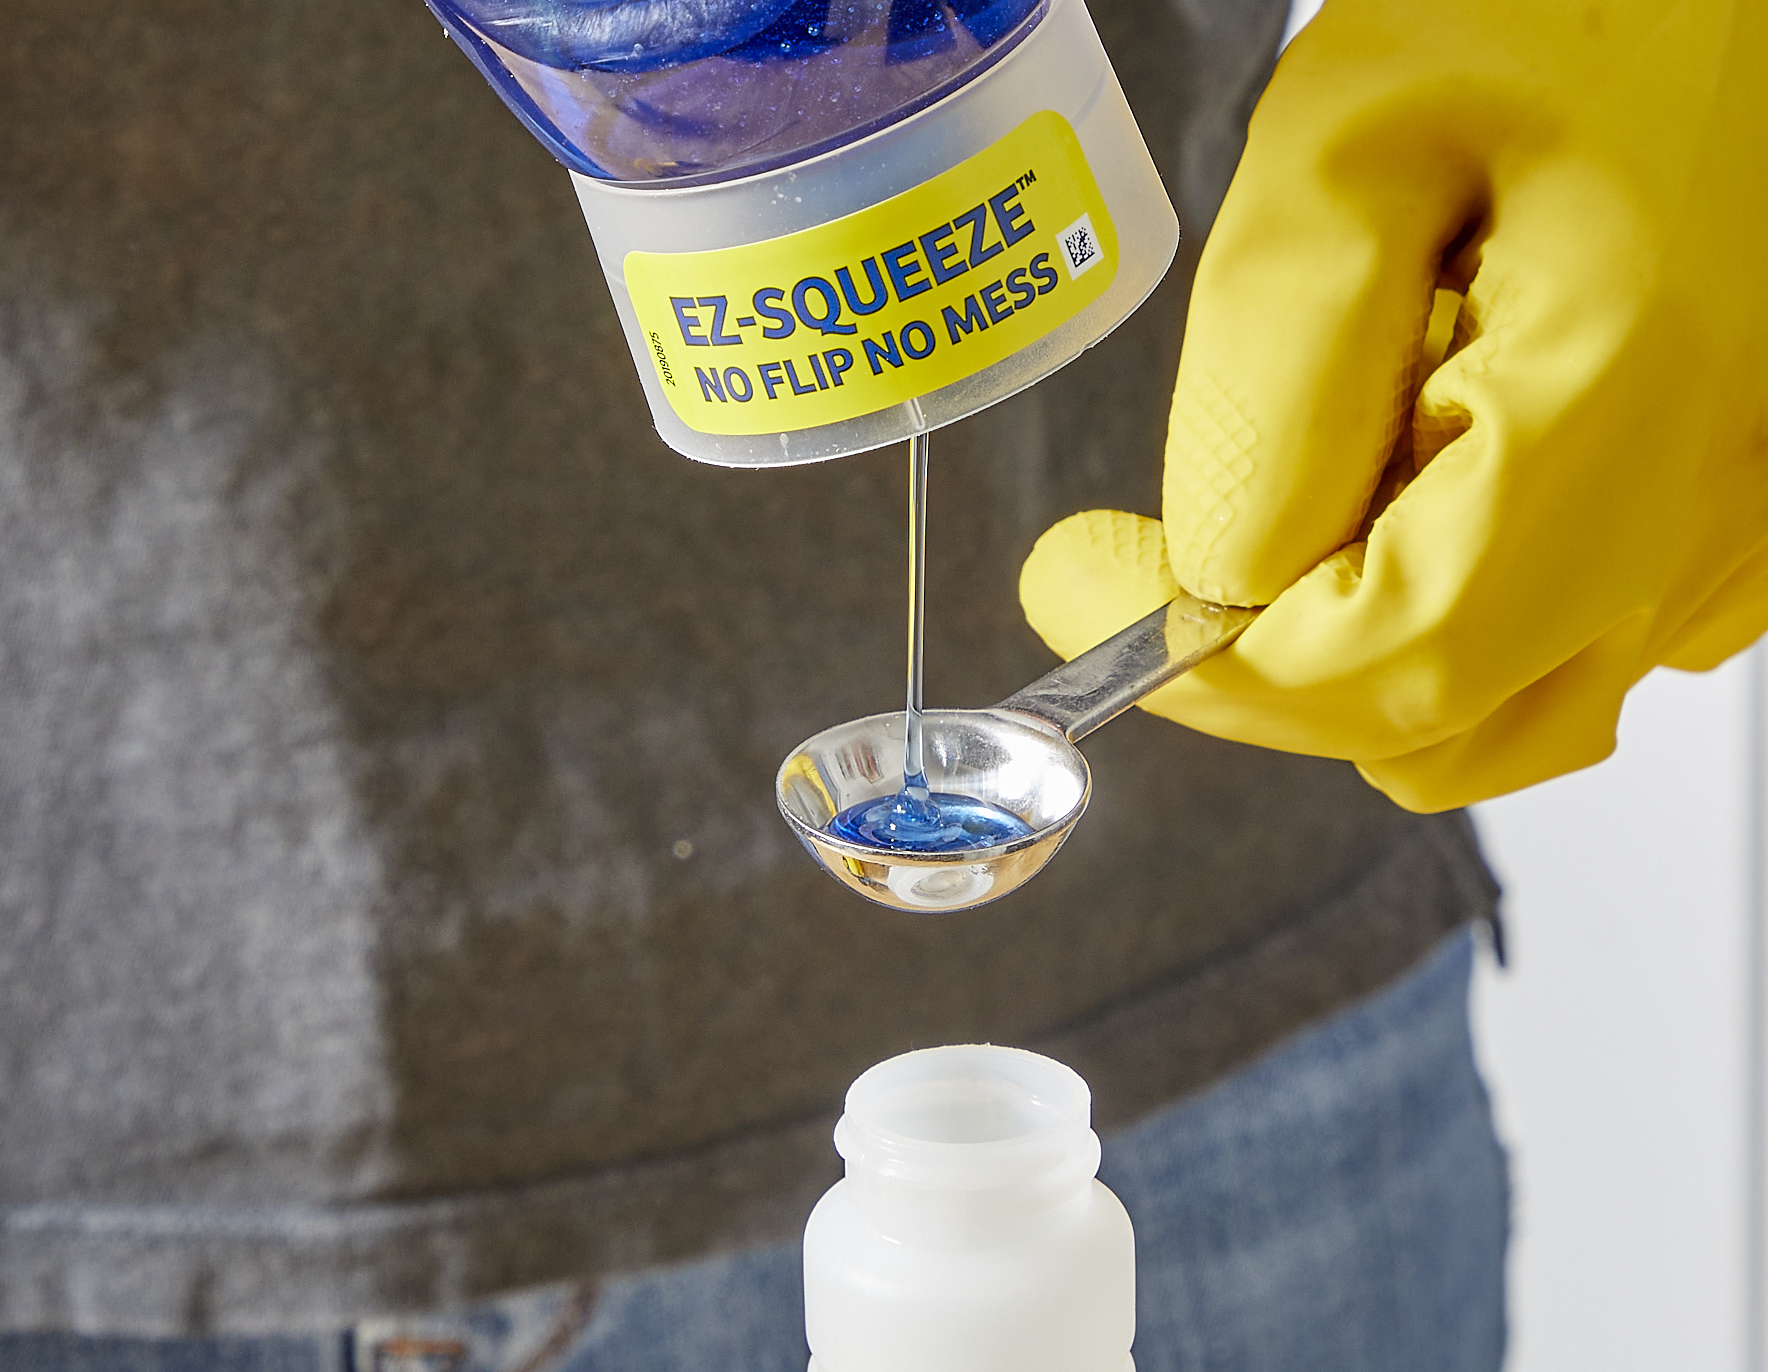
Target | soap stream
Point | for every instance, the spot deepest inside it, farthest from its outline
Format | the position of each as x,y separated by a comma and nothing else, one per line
916,819
914,803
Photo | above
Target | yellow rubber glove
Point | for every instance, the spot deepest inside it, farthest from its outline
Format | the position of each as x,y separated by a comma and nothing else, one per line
1467,561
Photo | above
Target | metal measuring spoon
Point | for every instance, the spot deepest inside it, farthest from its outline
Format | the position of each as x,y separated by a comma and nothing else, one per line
1019,755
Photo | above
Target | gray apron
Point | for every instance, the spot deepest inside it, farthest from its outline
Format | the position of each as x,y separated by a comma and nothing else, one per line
394,907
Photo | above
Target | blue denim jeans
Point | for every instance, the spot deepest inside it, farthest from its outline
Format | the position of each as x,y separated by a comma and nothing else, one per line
1340,1205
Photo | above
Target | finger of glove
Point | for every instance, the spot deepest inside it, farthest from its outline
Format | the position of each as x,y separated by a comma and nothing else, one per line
1559,724
1093,574
1551,519
1728,621
1308,316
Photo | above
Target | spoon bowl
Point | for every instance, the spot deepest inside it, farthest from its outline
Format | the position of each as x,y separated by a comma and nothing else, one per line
1015,761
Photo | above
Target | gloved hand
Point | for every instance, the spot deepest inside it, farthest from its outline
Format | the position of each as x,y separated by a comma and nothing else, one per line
1467,564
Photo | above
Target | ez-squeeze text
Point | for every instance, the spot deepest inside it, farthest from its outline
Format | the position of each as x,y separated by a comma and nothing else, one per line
905,271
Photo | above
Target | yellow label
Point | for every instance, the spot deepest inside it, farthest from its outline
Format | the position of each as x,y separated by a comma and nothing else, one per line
888,303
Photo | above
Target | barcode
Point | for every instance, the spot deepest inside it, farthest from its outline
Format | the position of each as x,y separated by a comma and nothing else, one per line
1080,246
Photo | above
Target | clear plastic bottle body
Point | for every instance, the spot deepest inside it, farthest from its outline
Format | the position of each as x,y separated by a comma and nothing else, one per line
706,138
1061,66
970,1234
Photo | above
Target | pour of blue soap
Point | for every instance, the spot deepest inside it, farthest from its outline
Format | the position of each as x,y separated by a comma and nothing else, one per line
915,820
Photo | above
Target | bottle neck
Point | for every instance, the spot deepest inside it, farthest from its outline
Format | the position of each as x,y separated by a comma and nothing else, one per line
967,1146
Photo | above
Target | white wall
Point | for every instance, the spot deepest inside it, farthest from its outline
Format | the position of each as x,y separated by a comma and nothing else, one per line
1618,1043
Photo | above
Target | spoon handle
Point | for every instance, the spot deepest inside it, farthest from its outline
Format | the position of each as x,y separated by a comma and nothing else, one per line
1106,680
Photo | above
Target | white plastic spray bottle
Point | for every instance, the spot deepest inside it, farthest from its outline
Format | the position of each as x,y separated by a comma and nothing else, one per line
970,1233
